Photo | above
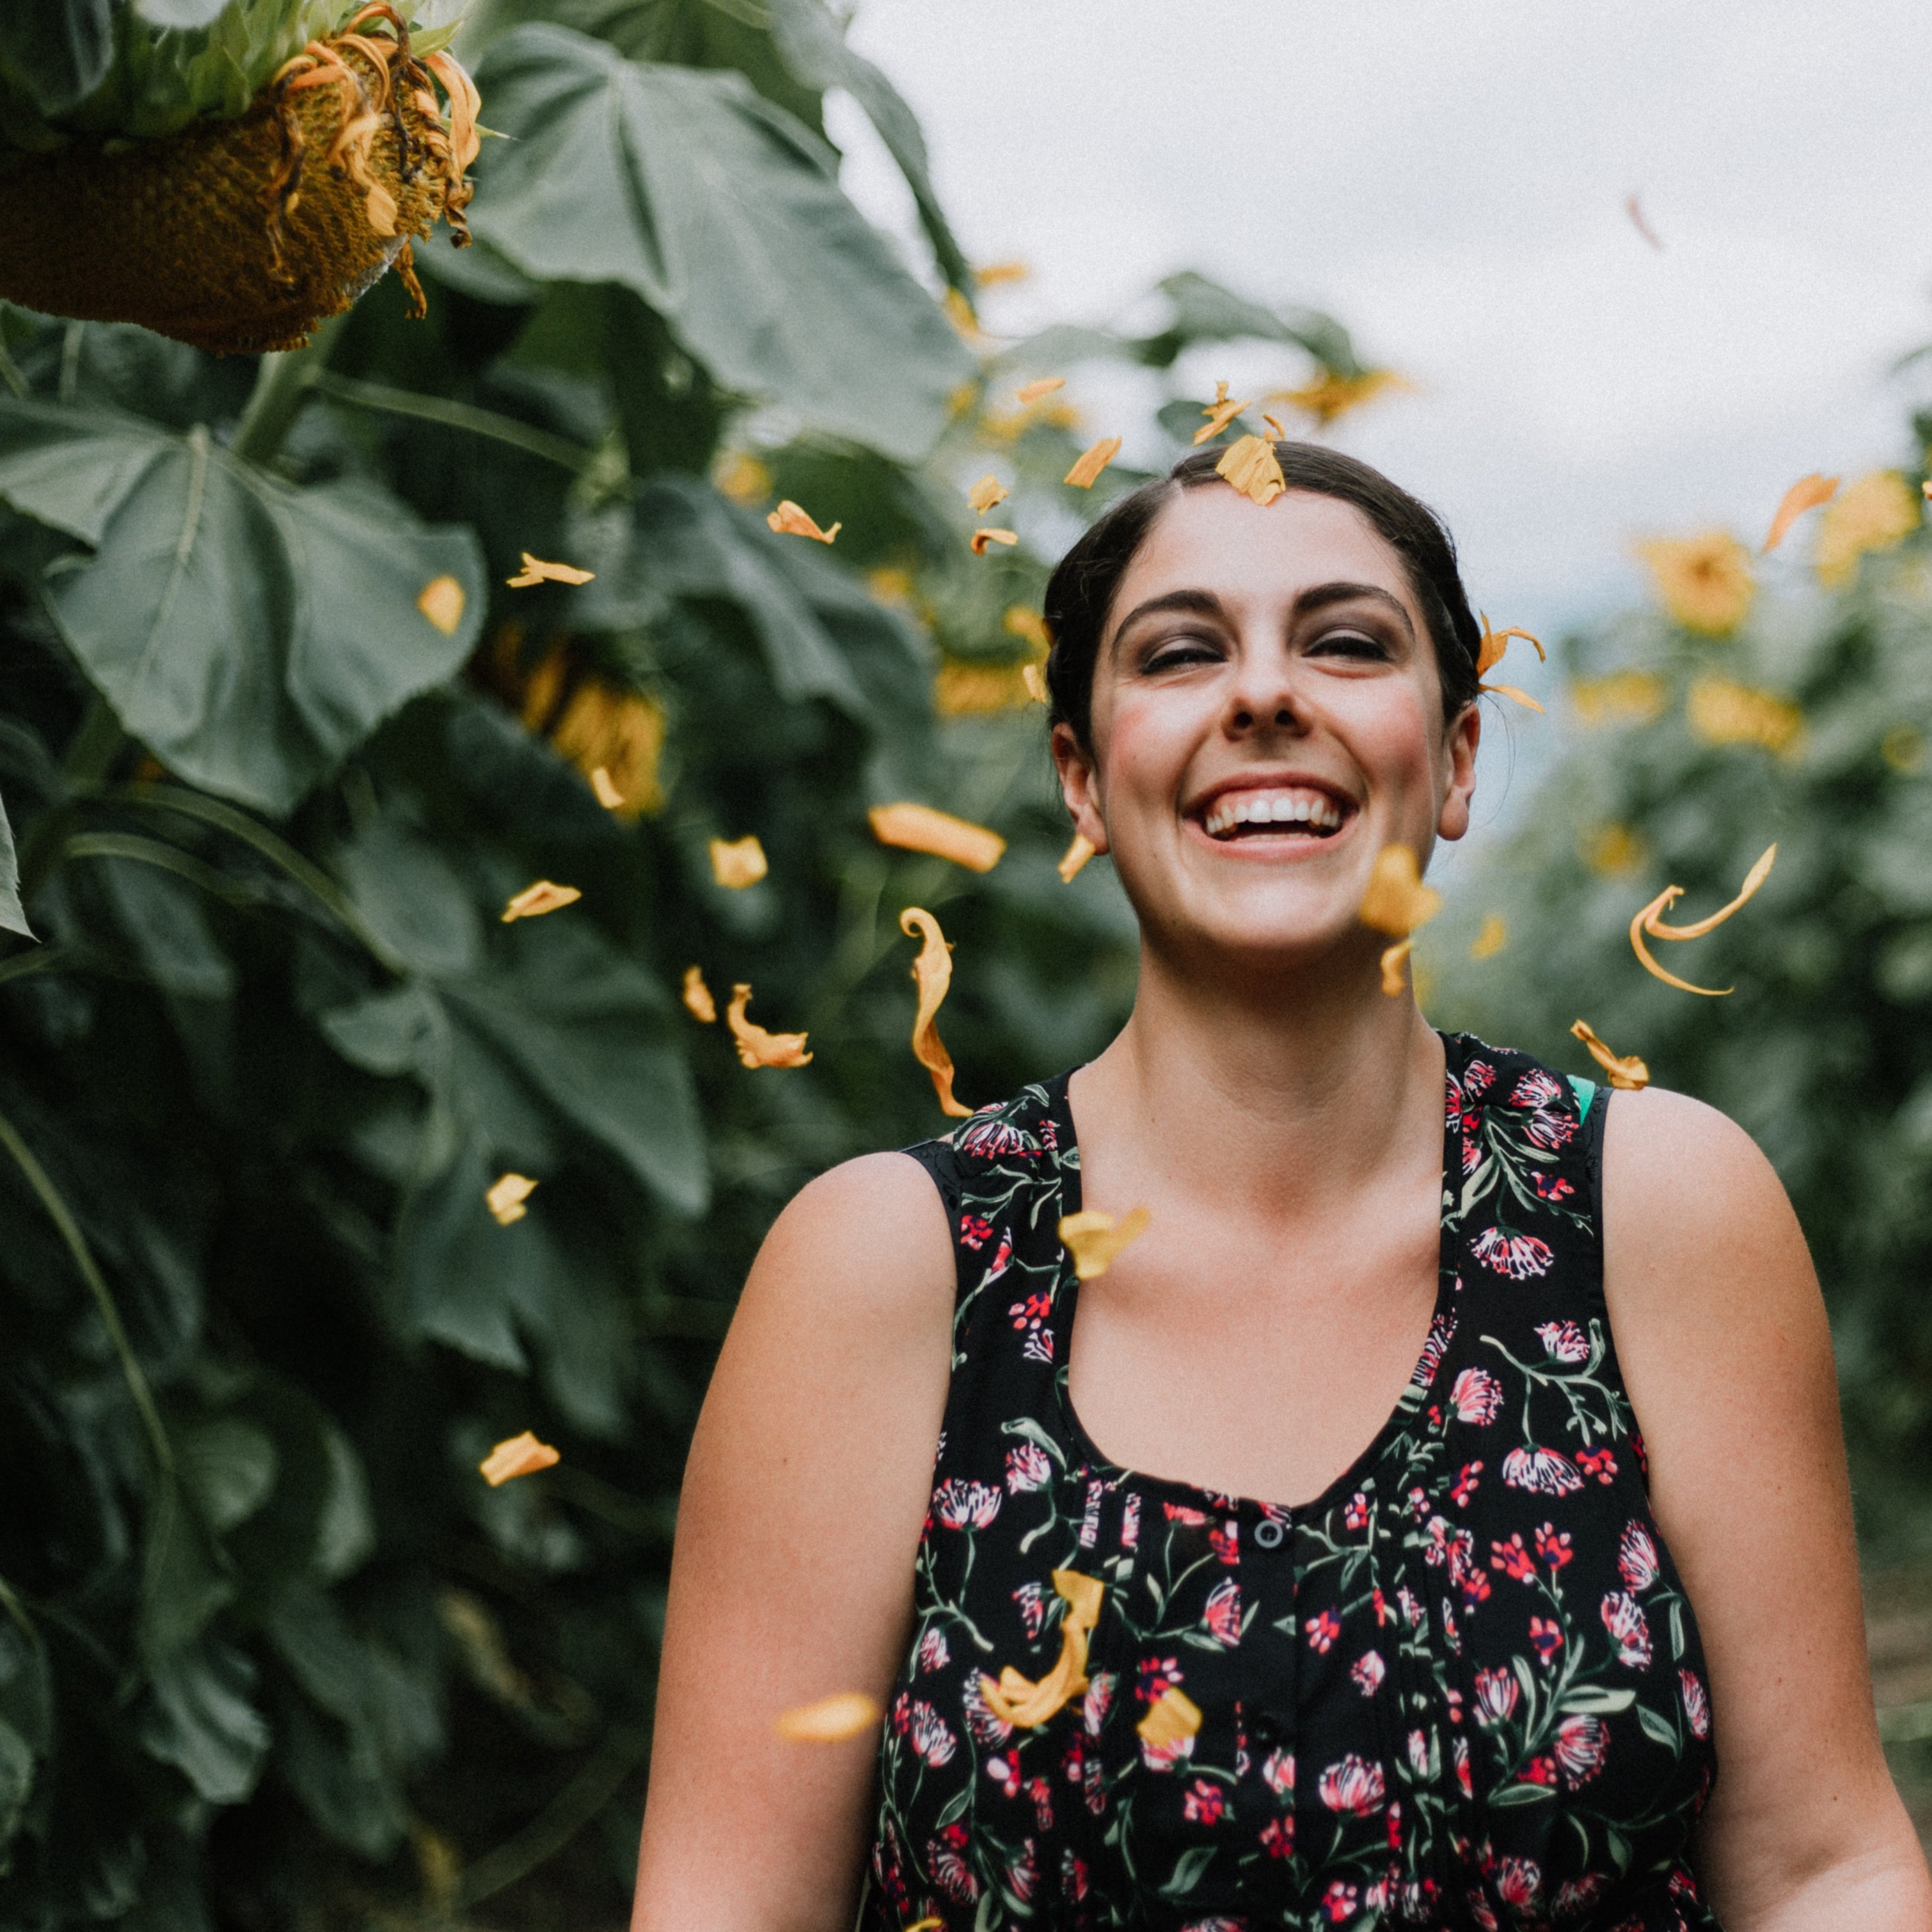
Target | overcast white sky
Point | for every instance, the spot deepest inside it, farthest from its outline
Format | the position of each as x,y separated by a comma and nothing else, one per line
1448,178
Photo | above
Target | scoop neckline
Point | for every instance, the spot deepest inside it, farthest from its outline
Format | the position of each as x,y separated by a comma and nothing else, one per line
1065,1307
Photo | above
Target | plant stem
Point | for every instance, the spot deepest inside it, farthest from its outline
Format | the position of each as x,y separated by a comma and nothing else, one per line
282,384
453,414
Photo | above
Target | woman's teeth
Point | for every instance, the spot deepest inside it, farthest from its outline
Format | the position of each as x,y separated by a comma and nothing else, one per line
1259,811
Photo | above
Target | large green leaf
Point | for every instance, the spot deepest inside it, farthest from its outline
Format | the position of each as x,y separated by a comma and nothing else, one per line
202,1721
725,215
57,51
12,917
250,634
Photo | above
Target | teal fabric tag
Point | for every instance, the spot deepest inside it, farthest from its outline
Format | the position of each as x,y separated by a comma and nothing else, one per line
1586,1092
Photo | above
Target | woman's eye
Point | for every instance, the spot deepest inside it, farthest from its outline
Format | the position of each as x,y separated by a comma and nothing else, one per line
1177,651
1352,644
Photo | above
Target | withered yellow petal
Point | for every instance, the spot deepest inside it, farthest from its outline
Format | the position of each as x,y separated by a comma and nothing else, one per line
1032,392
1657,907
697,996
1807,494
789,521
981,538
737,863
442,602
932,973
1628,1072
507,1194
605,787
1219,413
986,493
1014,1699
535,571
756,1047
831,1720
533,901
1274,428
1172,1716
1491,939
1075,856
1654,923
517,1456
1489,652
1094,1239
1250,465
1515,693
918,828
1393,958
1091,461
1397,901
1034,678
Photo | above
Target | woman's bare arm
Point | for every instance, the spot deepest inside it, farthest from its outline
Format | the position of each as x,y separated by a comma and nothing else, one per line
1726,1352
800,1523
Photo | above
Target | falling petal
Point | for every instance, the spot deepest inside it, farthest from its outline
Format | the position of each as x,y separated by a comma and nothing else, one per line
1034,678
737,863
1721,711
518,1455
1018,1701
1394,958
1092,461
756,1047
1017,621
1274,428
1807,494
1629,1073
1032,392
1634,209
697,996
1656,909
1492,939
918,828
602,784
1872,514
1489,652
1171,1717
995,273
1754,878
981,538
1514,692
506,1196
986,493
1094,1239
831,1720
533,901
789,521
1075,856
1397,901
535,571
1330,395
1705,581
441,603
1250,464
932,973
1219,413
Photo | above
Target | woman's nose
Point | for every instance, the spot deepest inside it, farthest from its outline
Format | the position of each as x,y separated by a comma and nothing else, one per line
1263,698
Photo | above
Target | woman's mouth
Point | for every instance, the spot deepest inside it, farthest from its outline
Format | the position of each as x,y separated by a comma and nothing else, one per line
1278,811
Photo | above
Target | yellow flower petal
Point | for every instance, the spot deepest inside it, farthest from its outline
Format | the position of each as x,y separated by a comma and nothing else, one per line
1397,901
605,787
981,538
1016,1700
1491,939
1092,461
1613,851
1807,494
831,1720
1654,923
620,733
789,521
1274,428
1394,958
1629,1073
1514,692
918,828
1330,395
1034,678
740,475
932,973
1031,392
1721,711
1219,413
1017,621
533,901
969,688
1662,904
1172,1716
517,1455
1632,697
1094,1239
1250,464
1489,652
995,273
441,603
1076,855
1705,581
1872,514
986,493
756,1047
737,863
507,1194
535,571
697,996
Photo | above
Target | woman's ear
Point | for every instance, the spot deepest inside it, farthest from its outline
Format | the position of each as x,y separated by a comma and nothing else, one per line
1079,786
1463,736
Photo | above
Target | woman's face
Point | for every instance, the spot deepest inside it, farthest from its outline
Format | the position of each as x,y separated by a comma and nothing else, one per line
1267,716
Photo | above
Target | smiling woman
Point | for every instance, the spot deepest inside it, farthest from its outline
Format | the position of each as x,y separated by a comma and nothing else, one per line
1440,1474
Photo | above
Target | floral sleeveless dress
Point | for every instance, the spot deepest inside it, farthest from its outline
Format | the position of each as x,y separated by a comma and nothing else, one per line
1462,1688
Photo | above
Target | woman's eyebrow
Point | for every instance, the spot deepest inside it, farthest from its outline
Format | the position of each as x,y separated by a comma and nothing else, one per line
1319,596
1202,603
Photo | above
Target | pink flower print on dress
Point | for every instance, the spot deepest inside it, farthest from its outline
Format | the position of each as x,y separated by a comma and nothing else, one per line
933,1653
1002,1261
1535,1089
1225,1538
1323,1630
1624,1618
1368,1670
1031,1597
1181,1512
1551,1187
1550,1132
1513,1560
1351,1784
1028,1467
1552,1547
1094,1707
1477,1396
987,1728
1203,1803
1597,1462
1005,1772
1545,1636
1420,1757
1221,1612
1355,1512
1575,1896
1564,1341
1338,1902
995,1140
959,1504
1464,1486
1041,1791
1278,1773
950,1872
1458,1754
1580,1746
973,1232
1636,1557
1441,1332
1521,1257
1072,1877
1130,1521
1090,1520
1023,1873
1478,1077
1277,1836
1519,1883
931,1737
1696,1704
1543,1472
1496,1694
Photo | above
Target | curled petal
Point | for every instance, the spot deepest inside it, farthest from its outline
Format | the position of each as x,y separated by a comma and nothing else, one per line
465,103
1807,494
1394,959
981,538
1661,904
1032,392
1034,678
1091,461
533,901
1075,856
697,996
535,571
1018,1701
1172,1716
756,1047
1094,1239
441,603
1489,652
1513,691
1654,923
789,521
1250,464
506,1196
918,828
1397,901
986,493
1626,1072
932,973
830,1720
605,787
1219,413
519,1456
737,863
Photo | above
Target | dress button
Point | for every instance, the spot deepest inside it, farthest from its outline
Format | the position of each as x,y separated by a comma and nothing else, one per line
1268,1532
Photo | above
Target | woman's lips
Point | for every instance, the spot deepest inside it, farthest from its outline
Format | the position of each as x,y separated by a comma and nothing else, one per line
1293,811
